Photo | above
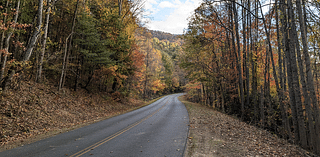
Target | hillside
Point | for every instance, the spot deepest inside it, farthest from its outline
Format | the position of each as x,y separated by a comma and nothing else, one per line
213,133
37,111
164,35
161,73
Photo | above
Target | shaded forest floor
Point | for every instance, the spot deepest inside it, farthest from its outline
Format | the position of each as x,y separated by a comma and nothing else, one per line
38,111
216,134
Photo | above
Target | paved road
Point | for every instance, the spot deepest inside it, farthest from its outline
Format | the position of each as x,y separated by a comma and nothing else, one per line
157,130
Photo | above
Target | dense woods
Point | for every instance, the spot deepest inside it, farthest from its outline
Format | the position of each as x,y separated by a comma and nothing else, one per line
96,45
259,64
161,73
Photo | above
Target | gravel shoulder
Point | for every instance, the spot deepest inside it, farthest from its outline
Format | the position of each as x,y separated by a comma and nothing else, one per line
212,133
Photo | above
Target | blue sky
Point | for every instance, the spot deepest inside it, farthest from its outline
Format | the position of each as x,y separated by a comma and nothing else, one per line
169,15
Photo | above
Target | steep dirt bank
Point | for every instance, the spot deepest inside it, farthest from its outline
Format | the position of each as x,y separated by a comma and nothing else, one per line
215,134
36,111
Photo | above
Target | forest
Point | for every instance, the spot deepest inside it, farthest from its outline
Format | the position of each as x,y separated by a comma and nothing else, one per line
260,65
95,45
66,63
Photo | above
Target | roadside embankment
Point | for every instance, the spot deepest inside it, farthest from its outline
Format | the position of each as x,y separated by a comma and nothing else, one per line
37,111
213,134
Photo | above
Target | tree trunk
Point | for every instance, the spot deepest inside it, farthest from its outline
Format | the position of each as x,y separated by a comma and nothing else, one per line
67,52
285,43
120,7
35,34
253,65
245,56
295,79
292,96
310,86
284,116
265,89
222,99
261,107
235,12
44,41
64,63
303,82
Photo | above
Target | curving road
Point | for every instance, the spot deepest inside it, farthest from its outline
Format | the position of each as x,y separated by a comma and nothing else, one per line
157,130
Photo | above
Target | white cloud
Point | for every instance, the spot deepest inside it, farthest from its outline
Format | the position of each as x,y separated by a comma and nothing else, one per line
149,7
166,4
177,20
153,1
177,2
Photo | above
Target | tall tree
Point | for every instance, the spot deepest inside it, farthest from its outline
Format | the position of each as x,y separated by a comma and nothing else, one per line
36,33
44,40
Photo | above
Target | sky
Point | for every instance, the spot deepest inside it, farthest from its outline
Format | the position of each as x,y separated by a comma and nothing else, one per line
169,16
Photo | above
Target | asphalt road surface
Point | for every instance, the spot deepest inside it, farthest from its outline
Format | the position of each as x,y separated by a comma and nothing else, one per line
157,130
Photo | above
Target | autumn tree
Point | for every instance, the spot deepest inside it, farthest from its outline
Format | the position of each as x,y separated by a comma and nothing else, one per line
270,82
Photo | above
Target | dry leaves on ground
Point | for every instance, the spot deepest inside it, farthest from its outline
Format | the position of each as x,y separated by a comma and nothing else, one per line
215,134
38,109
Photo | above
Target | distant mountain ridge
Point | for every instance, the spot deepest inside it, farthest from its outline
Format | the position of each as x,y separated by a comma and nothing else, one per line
164,36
